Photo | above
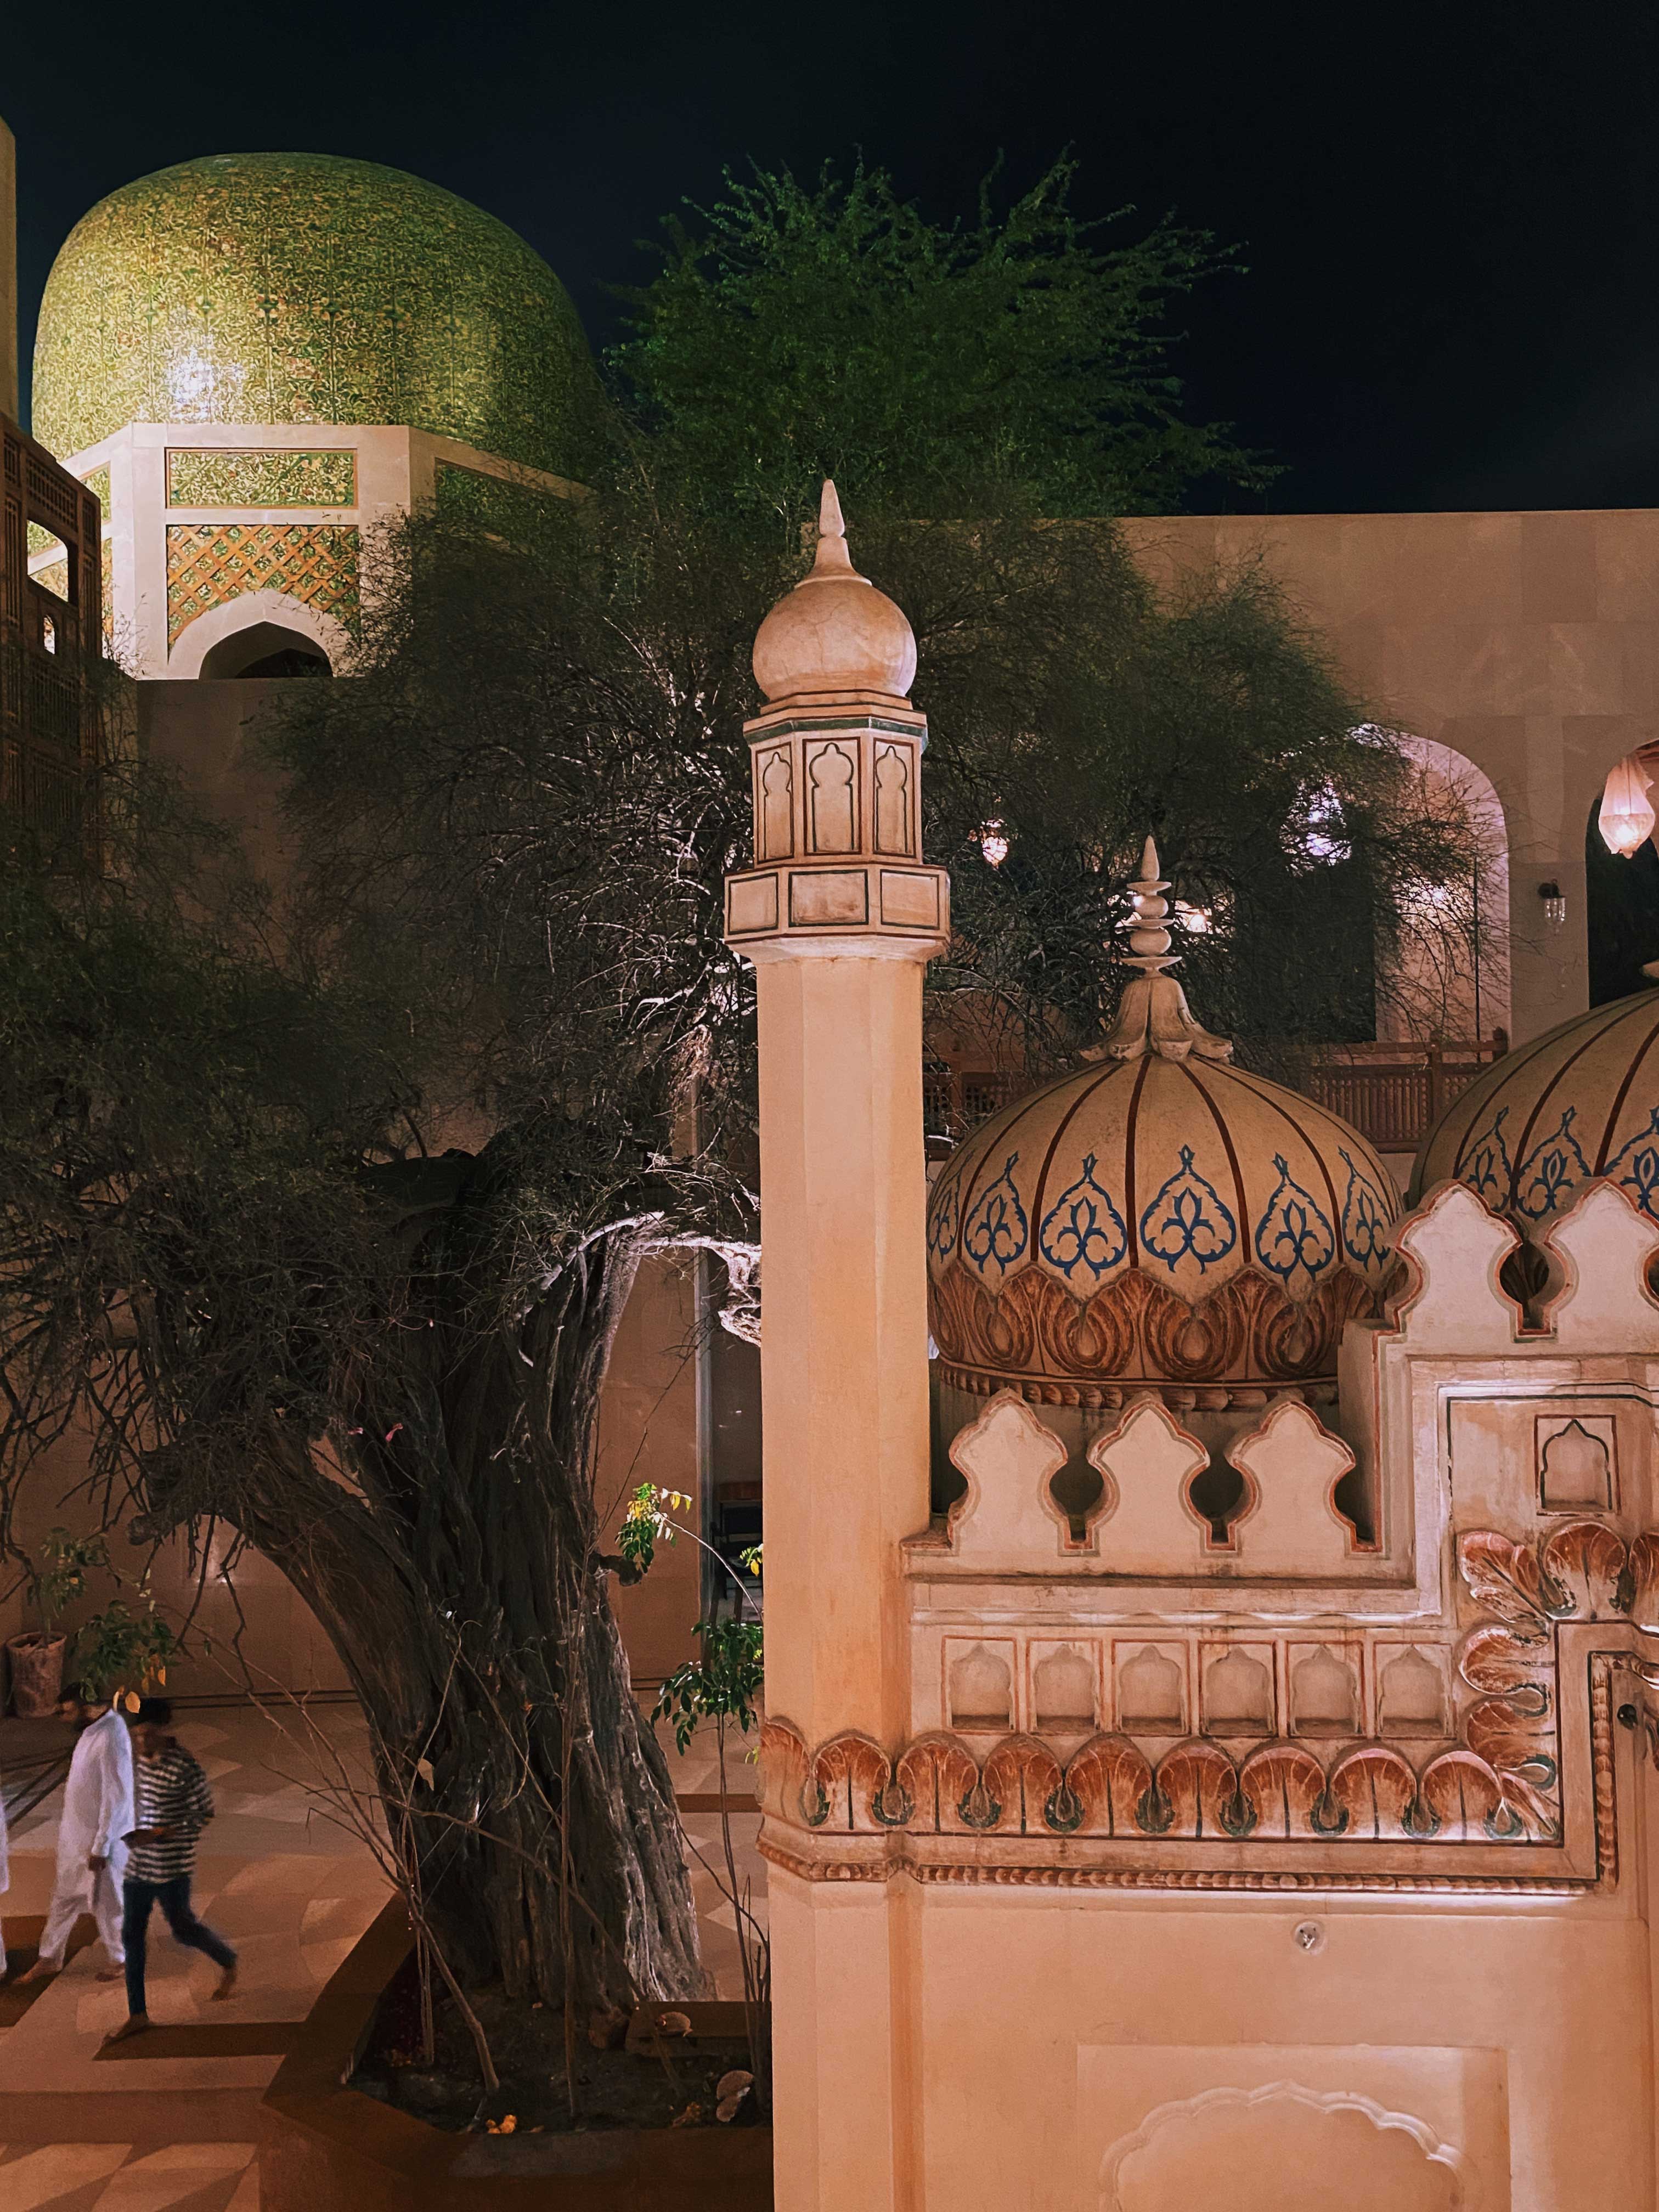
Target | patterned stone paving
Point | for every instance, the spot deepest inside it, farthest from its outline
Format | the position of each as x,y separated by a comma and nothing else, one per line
293,1893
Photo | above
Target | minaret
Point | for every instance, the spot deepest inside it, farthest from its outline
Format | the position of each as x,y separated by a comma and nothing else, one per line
840,915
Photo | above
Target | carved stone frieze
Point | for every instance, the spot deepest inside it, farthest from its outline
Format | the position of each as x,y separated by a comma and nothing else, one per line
1363,1814
1194,1791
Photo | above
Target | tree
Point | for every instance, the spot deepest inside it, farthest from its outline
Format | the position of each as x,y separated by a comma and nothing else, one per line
797,330
322,1208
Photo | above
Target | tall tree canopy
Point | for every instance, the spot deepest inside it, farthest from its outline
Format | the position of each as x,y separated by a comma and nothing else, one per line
798,330
321,1213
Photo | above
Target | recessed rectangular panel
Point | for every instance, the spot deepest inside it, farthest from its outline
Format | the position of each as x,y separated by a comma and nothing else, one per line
774,805
834,804
910,899
829,898
752,904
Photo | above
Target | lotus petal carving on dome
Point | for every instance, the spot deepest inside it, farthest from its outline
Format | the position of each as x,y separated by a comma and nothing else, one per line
1639,1160
1083,1227
1551,1169
1188,1220
995,1234
1070,1350
1294,1232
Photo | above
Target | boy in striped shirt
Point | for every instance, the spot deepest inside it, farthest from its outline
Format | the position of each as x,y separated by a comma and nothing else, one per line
174,1806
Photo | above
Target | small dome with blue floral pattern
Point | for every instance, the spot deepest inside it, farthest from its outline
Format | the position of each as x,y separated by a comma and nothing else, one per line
1159,1218
1580,1101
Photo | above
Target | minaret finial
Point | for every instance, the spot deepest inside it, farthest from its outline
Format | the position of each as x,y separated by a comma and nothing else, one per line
832,557
1153,1015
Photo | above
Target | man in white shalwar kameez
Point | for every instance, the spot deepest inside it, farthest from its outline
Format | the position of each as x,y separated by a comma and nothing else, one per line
91,1852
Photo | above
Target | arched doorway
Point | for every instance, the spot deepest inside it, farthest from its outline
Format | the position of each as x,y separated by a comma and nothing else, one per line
1453,978
259,634
1621,905
265,649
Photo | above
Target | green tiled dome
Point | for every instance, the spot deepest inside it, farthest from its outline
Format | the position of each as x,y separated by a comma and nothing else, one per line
304,287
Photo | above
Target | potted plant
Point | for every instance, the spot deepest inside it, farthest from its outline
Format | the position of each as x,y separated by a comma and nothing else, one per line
123,1655
37,1655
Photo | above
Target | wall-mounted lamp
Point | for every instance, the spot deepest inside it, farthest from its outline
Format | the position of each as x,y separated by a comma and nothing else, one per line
1555,902
993,842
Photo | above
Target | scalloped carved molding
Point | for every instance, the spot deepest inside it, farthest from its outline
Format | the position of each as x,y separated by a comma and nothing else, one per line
1251,2146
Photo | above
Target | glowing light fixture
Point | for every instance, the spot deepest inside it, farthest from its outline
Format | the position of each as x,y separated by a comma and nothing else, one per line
1322,837
1627,819
993,842
1196,920
1555,902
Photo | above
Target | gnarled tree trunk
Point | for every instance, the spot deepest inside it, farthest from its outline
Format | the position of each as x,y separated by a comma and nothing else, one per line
458,1570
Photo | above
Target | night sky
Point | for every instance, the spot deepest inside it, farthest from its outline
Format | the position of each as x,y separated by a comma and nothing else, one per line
1449,215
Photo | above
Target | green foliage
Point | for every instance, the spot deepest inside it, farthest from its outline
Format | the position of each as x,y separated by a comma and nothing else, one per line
1016,363
723,1684
649,1521
65,1561
123,1655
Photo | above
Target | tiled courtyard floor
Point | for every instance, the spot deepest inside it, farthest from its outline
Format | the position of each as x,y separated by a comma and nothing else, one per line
292,1891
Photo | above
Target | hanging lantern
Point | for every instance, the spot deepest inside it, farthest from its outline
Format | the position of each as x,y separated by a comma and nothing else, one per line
1627,819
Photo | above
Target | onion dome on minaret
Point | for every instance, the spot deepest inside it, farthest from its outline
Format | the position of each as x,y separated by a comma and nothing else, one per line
834,637
1579,1101
1160,1219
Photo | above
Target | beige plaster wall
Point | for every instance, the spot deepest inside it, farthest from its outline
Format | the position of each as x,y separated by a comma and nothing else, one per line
1038,2029
648,1428
262,1632
1530,643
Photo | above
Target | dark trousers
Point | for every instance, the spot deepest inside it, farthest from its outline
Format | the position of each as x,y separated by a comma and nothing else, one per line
173,1898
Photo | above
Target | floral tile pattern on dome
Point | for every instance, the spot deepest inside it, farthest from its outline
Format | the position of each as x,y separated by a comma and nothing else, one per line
942,1221
995,1234
1188,1220
208,563
214,476
1083,1228
1293,1233
1488,1167
306,288
1636,1167
1551,1170
1366,1214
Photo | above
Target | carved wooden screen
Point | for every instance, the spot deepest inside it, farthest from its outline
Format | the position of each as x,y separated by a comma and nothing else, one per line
46,634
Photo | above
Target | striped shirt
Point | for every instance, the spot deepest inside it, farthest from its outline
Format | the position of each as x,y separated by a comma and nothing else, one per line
169,1791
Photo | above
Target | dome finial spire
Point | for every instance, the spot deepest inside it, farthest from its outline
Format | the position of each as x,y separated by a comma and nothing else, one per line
834,637
1153,1015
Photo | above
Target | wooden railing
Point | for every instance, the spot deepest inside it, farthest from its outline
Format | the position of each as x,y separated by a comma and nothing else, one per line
1394,1093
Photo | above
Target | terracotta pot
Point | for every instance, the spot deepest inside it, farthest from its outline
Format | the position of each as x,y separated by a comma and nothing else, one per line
37,1674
